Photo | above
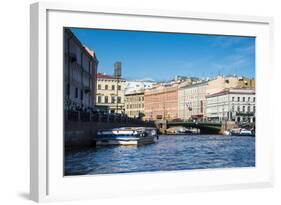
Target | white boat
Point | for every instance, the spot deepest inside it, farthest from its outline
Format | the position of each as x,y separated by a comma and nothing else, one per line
126,136
242,132
227,132
245,132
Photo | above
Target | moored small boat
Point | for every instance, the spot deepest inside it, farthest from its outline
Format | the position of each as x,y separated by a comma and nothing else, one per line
245,132
126,136
226,132
242,132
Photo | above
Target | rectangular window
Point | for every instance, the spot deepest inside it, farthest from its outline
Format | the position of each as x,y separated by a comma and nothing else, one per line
106,87
112,99
119,99
99,86
81,95
201,106
232,99
76,92
106,99
238,99
243,99
67,89
243,108
249,99
99,99
113,87
89,69
254,99
81,59
119,87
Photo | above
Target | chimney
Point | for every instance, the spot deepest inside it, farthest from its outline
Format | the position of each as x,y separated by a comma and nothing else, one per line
117,69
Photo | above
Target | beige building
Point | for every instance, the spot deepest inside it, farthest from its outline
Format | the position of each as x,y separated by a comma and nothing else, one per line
134,104
192,100
220,83
110,92
80,67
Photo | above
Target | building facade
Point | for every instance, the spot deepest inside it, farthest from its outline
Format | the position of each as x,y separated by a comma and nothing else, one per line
161,102
192,101
220,83
110,93
192,98
134,104
134,97
235,104
80,67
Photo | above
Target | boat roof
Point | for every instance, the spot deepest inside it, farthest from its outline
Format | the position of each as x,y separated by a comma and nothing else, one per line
128,128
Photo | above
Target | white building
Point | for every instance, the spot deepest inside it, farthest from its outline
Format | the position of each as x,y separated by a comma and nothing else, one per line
234,104
135,86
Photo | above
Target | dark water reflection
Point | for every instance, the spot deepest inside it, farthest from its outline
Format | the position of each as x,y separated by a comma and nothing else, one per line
169,153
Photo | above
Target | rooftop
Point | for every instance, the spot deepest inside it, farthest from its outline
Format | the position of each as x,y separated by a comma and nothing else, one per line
233,91
105,76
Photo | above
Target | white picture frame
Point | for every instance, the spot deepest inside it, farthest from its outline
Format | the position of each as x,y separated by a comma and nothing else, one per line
47,182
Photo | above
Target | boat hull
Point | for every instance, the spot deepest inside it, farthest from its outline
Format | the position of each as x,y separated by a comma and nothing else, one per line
126,136
244,135
125,141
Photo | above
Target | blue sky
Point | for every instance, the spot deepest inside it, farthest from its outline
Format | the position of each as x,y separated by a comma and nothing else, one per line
161,56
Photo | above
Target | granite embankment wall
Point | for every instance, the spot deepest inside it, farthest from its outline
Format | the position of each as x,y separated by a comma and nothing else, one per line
83,134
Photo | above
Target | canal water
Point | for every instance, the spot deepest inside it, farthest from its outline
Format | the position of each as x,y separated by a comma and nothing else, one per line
171,152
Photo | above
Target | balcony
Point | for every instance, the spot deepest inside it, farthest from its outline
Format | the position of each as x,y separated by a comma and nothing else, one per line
245,113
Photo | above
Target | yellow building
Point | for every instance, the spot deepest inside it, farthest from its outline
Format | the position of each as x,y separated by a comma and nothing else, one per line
110,92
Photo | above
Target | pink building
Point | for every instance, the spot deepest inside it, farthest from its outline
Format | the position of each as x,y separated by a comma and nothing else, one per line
161,102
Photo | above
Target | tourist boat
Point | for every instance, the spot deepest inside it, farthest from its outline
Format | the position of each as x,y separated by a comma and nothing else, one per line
127,136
